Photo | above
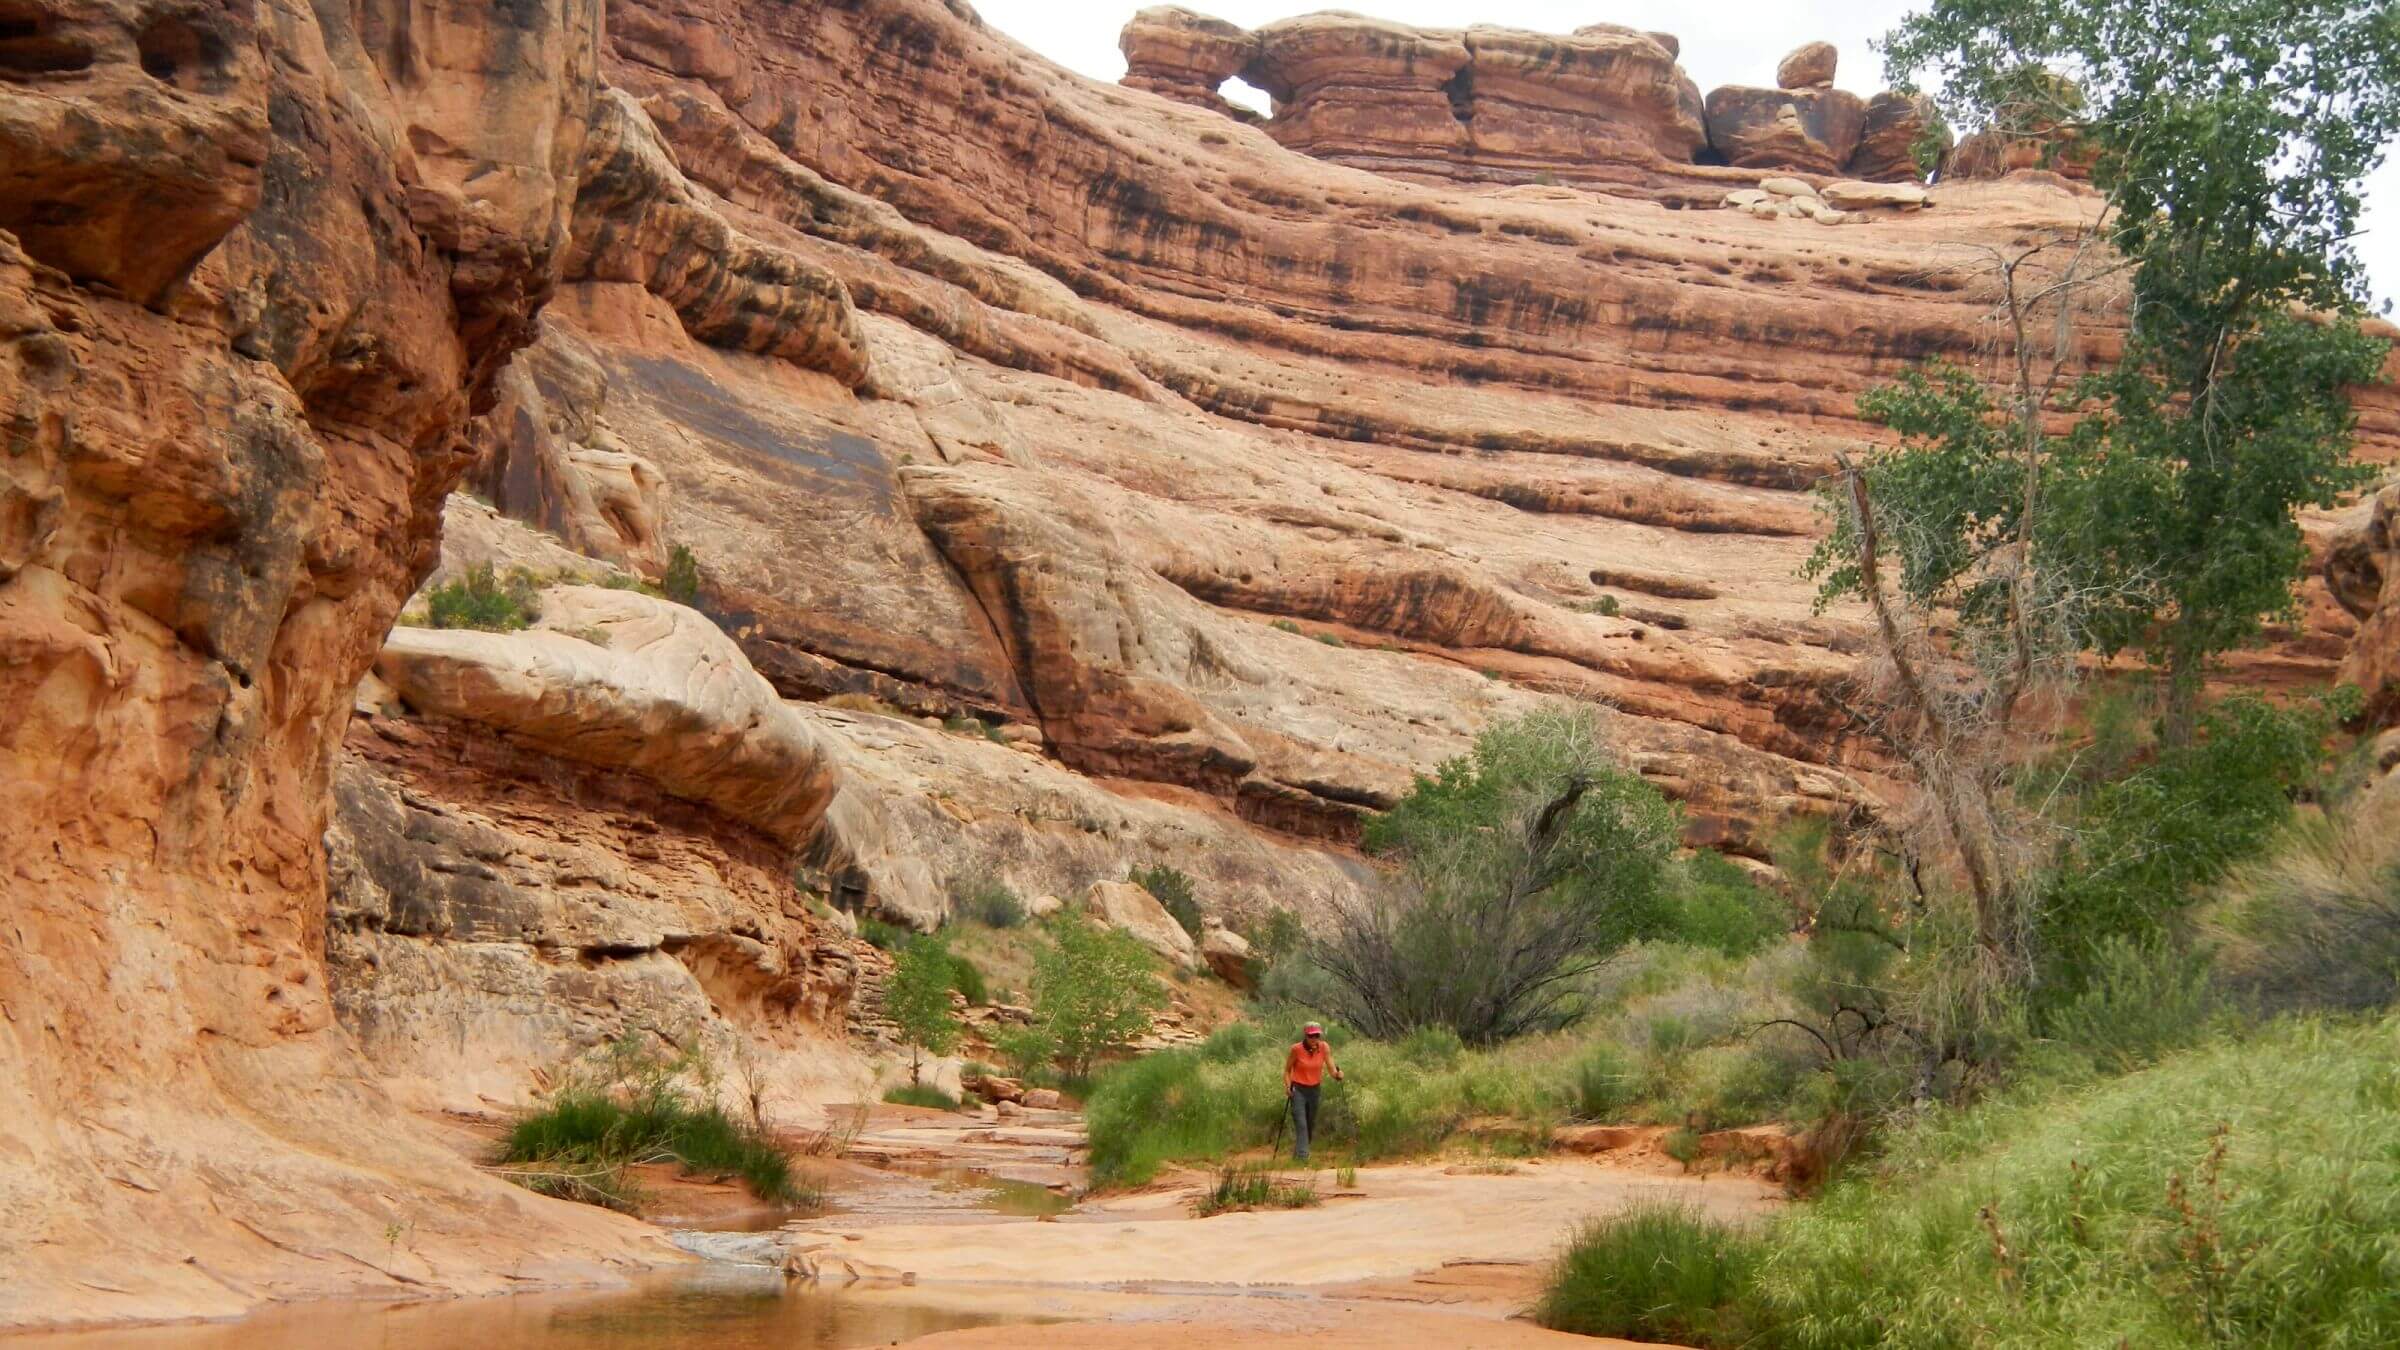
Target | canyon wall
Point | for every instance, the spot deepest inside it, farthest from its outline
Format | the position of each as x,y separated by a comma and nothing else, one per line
1076,478
259,263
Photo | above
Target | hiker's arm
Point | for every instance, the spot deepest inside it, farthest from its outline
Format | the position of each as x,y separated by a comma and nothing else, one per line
1337,1069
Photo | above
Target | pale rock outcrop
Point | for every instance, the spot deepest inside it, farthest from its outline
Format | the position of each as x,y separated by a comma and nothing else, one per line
1129,909
1812,130
1851,195
1226,952
1604,103
552,460
2362,570
1807,66
1186,56
1888,137
667,696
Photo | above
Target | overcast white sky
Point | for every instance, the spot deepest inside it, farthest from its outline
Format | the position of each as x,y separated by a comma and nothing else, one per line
1724,42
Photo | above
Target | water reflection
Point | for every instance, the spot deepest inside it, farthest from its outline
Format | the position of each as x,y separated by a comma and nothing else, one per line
717,1307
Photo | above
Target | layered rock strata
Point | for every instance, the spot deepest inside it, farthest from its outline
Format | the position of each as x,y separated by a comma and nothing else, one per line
1603,106
1095,480
1178,54
257,269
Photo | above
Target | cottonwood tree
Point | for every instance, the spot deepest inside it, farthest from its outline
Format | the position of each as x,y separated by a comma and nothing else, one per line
1522,867
1094,992
2230,138
917,999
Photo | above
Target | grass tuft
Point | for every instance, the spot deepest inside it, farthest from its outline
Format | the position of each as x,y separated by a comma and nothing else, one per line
1654,1272
921,1094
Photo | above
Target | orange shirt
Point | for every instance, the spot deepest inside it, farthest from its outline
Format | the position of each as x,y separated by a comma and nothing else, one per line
1305,1069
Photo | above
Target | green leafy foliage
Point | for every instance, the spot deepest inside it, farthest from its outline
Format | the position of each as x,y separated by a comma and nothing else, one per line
1173,890
2146,843
1653,1272
480,600
1527,863
2231,137
635,1106
681,581
985,899
1094,991
917,999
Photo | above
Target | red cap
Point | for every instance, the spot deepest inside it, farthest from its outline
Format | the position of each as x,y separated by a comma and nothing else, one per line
1312,1027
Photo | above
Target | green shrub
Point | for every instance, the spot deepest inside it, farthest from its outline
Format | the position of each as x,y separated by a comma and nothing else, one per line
1719,907
1276,936
1284,626
985,899
1528,864
967,978
1331,639
1654,1272
2240,1194
2148,843
1172,888
634,1107
2136,1002
681,581
888,937
921,1094
1094,990
1683,1145
1432,1047
2315,923
480,600
1601,1086
917,999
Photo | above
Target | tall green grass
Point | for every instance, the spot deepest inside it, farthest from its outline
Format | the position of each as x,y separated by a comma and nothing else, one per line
632,1106
1653,1272
1225,1096
2245,1193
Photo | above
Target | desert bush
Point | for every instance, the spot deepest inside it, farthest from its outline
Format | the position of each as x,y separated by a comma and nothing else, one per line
480,600
983,898
921,1094
2146,845
1526,865
2136,1002
633,1106
1094,990
884,936
1432,1047
1254,1188
2239,1194
681,581
1601,1085
2315,923
1718,906
1653,1272
1172,888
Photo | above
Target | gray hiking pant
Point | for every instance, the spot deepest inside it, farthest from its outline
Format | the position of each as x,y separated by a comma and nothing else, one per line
1304,1115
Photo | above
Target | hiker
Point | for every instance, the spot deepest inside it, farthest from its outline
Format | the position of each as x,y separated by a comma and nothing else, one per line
1303,1077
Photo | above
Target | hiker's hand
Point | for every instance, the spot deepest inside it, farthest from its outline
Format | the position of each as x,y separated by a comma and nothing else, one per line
1337,1075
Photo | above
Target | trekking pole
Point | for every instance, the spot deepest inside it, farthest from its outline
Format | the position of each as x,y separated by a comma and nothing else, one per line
1282,1118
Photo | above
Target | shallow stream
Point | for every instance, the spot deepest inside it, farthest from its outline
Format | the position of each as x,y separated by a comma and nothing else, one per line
716,1307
